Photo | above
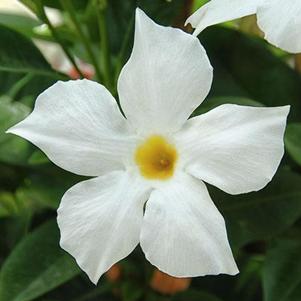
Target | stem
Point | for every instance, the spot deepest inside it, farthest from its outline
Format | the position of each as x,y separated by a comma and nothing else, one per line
124,47
19,85
104,46
59,40
67,4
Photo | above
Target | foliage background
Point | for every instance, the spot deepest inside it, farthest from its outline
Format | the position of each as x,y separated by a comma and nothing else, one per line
264,227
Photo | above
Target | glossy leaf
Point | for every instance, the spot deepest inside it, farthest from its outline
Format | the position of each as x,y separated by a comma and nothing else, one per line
13,149
293,141
33,5
36,266
47,189
282,272
262,214
212,103
20,23
244,66
19,54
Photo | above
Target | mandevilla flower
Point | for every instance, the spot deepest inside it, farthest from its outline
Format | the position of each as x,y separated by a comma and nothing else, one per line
280,20
149,167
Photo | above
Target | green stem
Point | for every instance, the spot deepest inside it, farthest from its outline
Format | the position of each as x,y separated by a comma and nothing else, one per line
59,40
67,4
19,85
124,47
104,45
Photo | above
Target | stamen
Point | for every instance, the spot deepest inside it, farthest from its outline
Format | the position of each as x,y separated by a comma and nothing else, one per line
156,158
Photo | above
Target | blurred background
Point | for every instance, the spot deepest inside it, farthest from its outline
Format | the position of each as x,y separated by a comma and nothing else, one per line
42,41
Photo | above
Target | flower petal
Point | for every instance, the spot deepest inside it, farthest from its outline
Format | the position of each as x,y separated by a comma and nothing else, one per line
280,20
100,220
183,234
167,76
236,148
79,127
218,11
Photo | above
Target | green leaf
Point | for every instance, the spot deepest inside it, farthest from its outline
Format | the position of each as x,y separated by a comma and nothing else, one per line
8,205
245,66
14,228
262,214
37,265
46,189
20,23
212,103
195,295
249,280
120,13
11,80
19,54
293,141
13,149
163,12
37,158
32,5
282,272
131,291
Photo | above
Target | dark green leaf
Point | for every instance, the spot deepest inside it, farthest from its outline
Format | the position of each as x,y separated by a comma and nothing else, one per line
19,54
120,13
20,23
13,149
262,214
8,204
131,291
32,5
36,266
293,141
244,66
10,84
282,272
46,190
195,295
38,158
212,103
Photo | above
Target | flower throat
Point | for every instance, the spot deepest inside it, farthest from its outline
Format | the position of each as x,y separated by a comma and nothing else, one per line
156,158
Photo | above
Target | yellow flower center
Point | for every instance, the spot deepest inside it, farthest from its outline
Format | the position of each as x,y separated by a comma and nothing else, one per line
156,158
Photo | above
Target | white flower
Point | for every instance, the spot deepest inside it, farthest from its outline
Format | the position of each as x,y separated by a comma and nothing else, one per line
280,20
154,156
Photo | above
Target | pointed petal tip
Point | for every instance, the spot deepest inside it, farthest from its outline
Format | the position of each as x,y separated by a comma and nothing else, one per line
287,109
93,278
141,17
9,131
187,21
139,13
283,110
231,271
12,130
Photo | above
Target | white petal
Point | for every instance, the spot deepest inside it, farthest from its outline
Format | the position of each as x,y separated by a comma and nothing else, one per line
236,148
183,233
280,20
167,76
218,11
100,220
79,127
